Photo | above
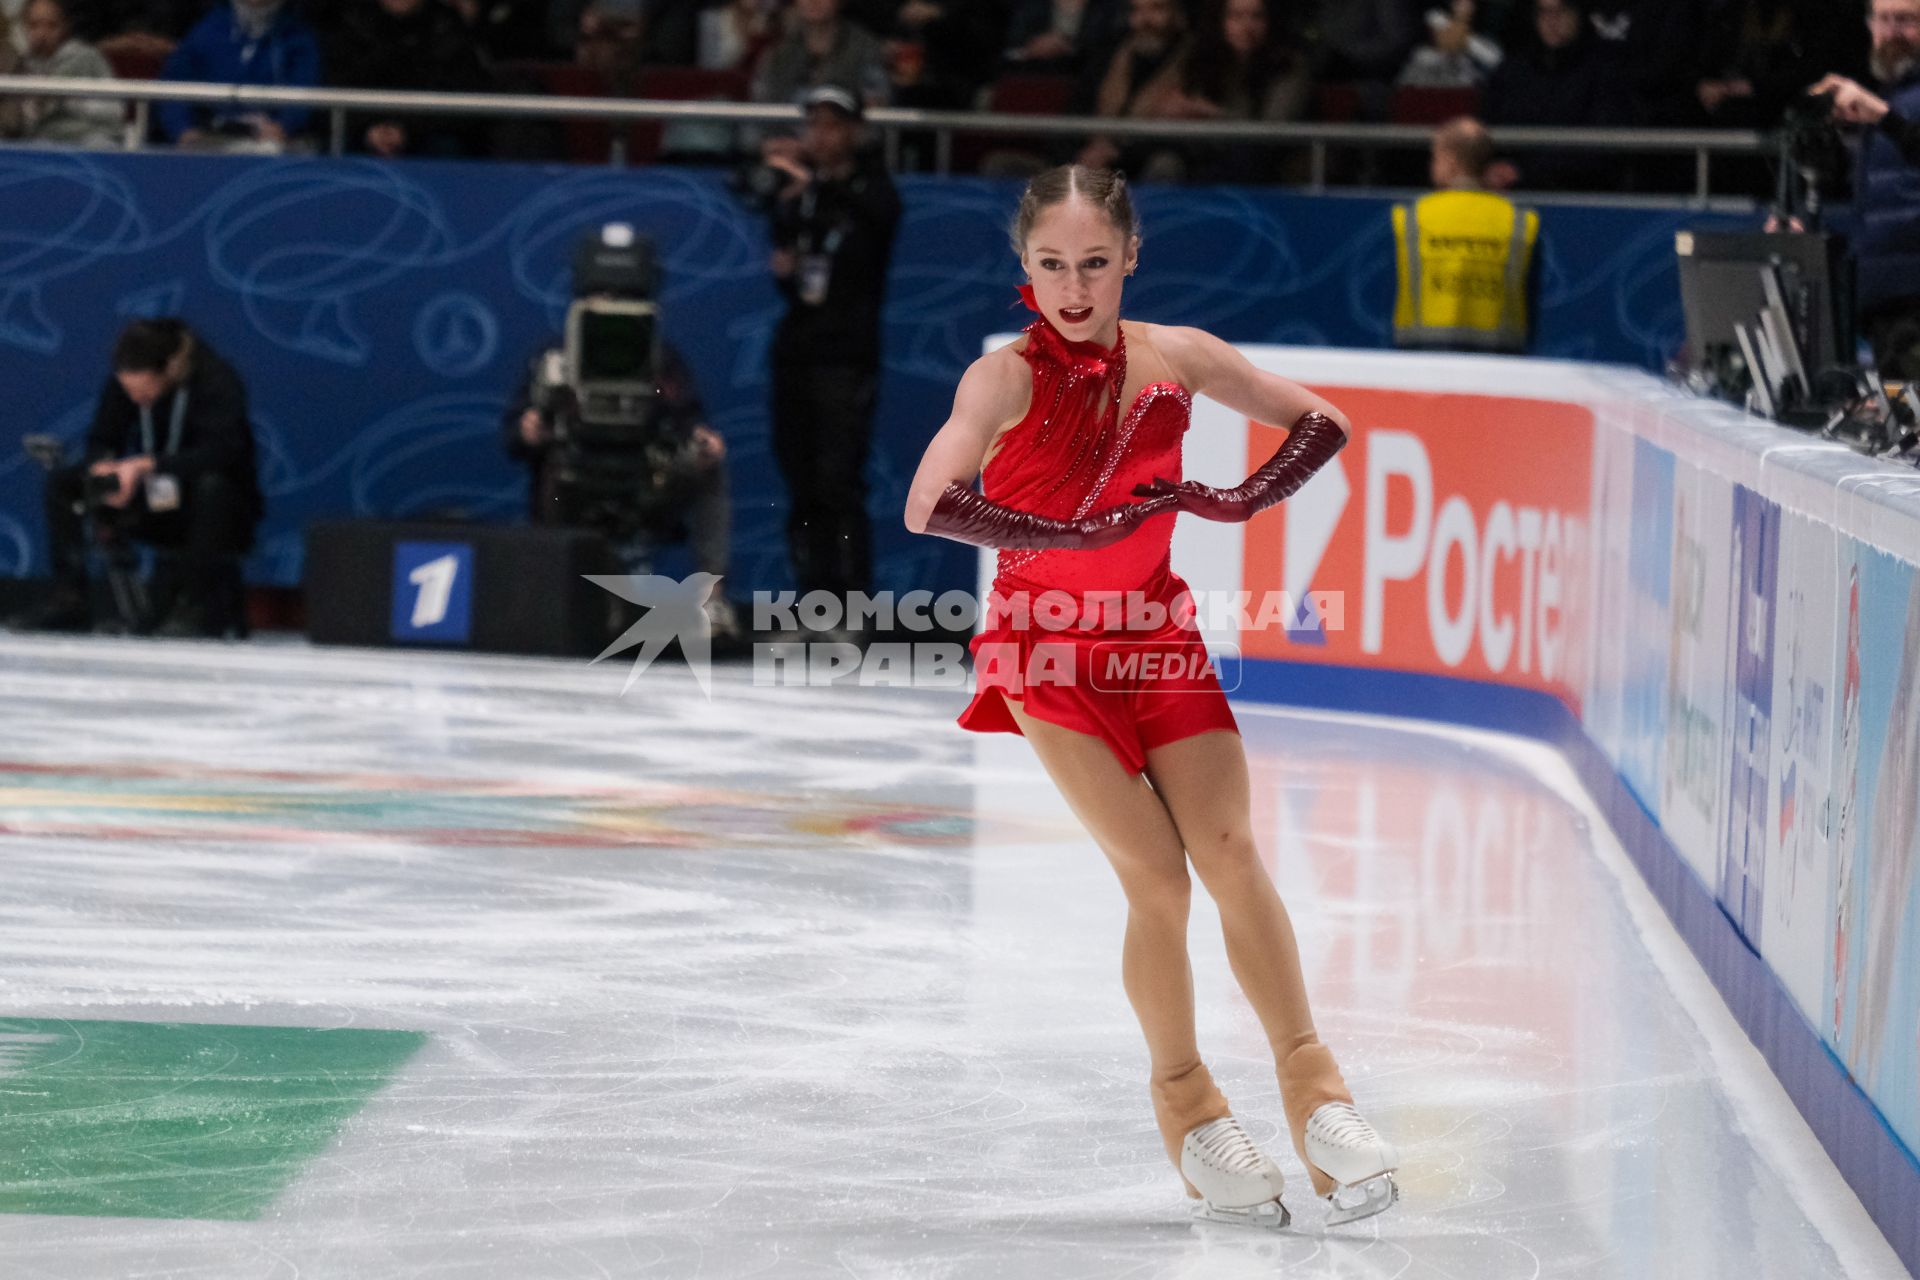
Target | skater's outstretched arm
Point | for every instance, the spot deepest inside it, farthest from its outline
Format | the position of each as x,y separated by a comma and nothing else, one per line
1208,366
992,396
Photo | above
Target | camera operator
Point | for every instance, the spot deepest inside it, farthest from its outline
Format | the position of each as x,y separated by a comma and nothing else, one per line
697,507
833,221
1888,185
169,461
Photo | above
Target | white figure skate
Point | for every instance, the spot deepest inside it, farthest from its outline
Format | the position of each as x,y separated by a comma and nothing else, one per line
1236,1181
1345,1147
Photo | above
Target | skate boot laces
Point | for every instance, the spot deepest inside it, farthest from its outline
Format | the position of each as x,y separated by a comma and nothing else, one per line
1226,1146
1338,1125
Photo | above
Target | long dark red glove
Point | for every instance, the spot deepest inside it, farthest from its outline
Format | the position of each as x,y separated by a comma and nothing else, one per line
1314,440
966,516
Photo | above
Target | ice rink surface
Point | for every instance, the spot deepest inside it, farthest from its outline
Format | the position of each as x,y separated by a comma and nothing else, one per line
799,983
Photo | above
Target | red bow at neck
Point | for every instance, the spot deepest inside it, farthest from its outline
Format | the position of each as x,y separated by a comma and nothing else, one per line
1085,359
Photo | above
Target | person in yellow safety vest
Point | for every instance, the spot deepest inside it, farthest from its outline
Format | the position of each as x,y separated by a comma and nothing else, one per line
1464,253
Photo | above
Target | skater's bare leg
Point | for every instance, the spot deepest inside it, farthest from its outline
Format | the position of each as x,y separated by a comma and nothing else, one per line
1204,785
1132,827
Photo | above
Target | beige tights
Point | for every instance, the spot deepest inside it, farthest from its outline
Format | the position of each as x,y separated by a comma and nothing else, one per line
1194,805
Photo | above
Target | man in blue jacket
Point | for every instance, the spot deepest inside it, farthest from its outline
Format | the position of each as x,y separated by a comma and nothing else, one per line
246,42
1889,186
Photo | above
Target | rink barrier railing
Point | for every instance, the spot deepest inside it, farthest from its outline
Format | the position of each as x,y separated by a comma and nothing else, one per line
1318,138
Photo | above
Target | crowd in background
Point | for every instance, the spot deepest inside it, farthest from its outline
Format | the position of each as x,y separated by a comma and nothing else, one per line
1672,63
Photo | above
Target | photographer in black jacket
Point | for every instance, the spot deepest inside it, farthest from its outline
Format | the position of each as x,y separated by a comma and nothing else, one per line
169,461
833,222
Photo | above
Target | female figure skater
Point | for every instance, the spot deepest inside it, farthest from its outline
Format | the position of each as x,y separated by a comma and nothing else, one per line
1079,428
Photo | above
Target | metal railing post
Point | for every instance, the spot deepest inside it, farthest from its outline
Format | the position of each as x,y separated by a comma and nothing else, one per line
142,124
892,144
1702,163
1317,165
337,131
943,151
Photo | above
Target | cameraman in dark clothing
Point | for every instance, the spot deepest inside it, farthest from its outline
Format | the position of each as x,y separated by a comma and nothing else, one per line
1888,182
833,226
169,461
695,491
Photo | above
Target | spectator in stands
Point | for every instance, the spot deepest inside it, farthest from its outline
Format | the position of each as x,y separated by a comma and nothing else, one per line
1888,237
618,37
13,35
940,52
52,50
1239,68
1652,49
1140,74
1760,54
251,42
822,47
735,33
732,36
1234,69
1455,55
607,36
170,462
1557,78
833,227
1365,43
1059,37
1465,255
407,44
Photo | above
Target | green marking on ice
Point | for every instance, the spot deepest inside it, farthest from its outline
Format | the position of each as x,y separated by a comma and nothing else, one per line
175,1120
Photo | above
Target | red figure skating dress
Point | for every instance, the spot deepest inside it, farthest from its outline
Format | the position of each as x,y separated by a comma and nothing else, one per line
1072,634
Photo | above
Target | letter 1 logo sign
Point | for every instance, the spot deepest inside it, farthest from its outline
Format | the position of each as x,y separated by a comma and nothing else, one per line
1455,527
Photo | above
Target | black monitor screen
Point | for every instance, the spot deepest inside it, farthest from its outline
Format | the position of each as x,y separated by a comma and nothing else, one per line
616,346
1720,287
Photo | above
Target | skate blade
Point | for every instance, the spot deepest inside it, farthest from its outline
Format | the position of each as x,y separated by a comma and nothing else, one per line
1269,1216
1362,1199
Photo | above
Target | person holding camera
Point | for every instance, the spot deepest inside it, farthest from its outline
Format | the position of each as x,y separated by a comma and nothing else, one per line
693,502
833,220
170,462
1888,186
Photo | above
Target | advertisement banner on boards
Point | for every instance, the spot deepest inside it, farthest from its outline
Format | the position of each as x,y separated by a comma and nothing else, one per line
1800,811
1876,945
1603,712
1693,763
1756,567
1648,622
1453,531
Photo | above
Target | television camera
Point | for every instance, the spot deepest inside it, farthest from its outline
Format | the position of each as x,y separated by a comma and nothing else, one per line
617,463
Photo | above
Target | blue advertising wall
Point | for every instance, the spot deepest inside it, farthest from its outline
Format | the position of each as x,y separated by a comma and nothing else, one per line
381,313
